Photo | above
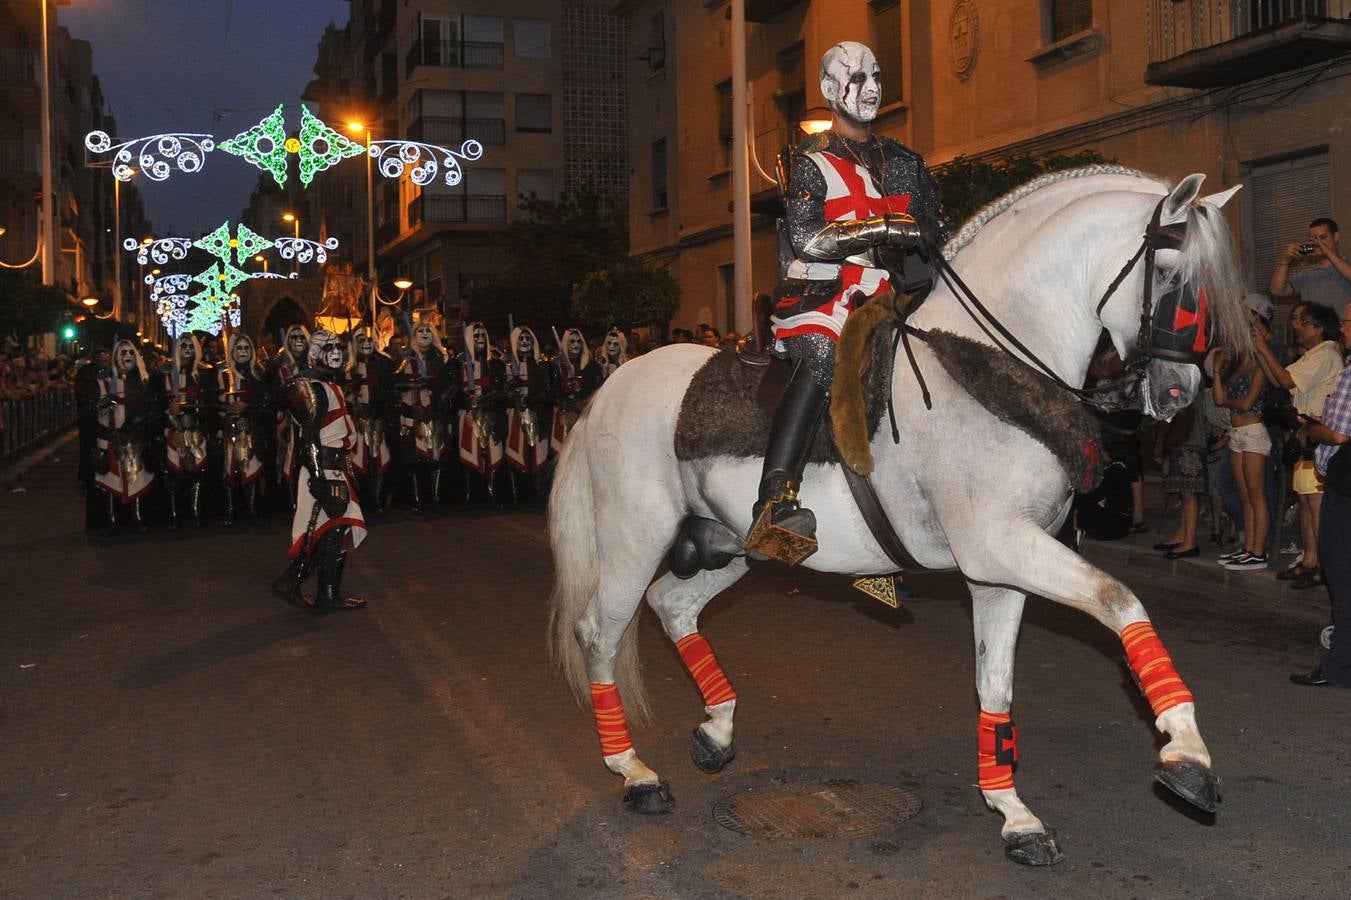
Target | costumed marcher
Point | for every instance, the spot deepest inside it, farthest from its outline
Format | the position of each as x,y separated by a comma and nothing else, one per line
245,414
370,385
288,363
614,352
189,386
576,378
862,219
87,421
328,521
423,385
528,407
480,422
127,404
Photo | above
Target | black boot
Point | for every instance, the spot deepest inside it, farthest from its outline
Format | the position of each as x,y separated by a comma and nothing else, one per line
415,482
195,502
229,504
112,516
173,507
139,515
788,531
331,562
251,493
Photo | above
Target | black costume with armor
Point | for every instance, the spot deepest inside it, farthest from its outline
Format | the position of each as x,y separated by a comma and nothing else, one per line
529,405
245,419
328,518
862,219
576,376
481,421
189,387
369,393
126,403
286,365
423,383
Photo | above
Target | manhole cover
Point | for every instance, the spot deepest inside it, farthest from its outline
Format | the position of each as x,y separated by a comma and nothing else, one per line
817,809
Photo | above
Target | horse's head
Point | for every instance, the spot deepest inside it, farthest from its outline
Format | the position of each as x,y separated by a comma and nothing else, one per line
1189,298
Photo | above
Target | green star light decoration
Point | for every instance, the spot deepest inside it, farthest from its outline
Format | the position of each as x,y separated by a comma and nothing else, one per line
321,146
264,145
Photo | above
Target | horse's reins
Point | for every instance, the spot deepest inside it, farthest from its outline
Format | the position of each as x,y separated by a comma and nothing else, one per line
1156,237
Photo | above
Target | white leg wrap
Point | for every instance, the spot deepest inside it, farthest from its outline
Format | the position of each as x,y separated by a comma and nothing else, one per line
631,767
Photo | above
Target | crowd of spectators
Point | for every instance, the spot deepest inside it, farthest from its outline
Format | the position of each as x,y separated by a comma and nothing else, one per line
26,372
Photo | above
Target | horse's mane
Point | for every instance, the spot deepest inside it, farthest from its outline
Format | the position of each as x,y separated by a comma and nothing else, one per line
1208,241
973,225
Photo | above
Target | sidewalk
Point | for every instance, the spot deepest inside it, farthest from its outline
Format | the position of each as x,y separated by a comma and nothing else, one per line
1137,551
13,471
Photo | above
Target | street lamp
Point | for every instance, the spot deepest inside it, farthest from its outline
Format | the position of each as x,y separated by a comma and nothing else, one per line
293,218
261,259
403,284
358,127
90,302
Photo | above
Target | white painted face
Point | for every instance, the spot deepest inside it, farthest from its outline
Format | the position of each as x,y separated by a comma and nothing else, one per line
422,337
851,81
126,360
187,353
612,348
332,354
296,343
242,353
575,346
365,345
480,340
525,345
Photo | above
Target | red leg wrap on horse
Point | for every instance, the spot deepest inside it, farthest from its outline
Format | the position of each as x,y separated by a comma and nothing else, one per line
610,723
996,751
712,681
1153,668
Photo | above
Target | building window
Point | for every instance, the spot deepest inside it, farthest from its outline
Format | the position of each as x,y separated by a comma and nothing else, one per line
1067,18
535,182
534,113
885,25
532,38
659,174
724,90
656,41
483,29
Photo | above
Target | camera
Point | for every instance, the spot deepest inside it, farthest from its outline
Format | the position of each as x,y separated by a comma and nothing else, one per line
1307,248
1282,414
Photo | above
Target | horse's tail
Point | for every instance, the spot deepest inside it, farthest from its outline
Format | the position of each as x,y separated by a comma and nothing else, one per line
572,535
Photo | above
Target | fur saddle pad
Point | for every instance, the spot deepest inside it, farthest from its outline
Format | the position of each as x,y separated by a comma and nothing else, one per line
719,415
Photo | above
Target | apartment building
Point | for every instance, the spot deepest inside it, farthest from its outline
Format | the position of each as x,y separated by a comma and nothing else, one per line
1245,91
539,83
85,199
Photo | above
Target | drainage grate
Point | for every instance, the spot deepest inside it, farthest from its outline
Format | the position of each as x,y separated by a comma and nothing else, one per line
835,809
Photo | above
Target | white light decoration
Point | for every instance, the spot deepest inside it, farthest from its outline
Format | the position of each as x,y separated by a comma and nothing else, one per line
161,250
304,249
153,154
396,156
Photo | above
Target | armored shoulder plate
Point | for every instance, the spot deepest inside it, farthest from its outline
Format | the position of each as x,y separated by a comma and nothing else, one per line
299,397
814,143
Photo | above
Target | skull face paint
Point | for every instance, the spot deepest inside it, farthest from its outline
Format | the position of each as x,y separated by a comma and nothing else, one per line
575,346
365,345
851,81
422,337
295,343
480,340
332,355
187,352
525,345
242,352
126,359
613,348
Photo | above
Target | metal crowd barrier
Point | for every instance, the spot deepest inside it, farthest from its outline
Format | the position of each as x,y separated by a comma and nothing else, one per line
33,419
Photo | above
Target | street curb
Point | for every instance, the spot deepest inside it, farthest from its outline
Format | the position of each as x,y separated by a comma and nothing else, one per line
12,475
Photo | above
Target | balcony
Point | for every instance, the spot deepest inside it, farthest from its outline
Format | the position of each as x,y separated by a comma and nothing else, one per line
454,131
386,232
454,55
764,10
458,208
1218,43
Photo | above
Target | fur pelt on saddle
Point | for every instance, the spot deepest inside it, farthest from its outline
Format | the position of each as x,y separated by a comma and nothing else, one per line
719,415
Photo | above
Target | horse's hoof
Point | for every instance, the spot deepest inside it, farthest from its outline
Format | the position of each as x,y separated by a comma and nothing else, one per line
650,799
1196,784
1033,848
708,756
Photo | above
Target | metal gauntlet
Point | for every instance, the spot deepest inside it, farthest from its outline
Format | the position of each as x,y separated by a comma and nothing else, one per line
838,240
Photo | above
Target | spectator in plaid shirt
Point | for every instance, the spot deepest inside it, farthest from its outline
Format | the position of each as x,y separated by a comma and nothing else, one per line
1334,536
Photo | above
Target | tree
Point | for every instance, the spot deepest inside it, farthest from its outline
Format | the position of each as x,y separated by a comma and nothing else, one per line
553,247
968,184
628,295
28,307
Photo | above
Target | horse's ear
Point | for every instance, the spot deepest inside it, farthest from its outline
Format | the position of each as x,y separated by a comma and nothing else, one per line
1218,200
1176,203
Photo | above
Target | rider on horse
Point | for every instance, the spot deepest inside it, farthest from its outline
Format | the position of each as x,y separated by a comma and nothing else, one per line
862,218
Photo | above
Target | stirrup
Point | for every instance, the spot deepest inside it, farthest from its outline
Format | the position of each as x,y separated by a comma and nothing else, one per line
774,541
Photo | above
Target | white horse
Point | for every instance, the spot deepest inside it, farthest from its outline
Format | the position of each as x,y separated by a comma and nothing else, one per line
962,489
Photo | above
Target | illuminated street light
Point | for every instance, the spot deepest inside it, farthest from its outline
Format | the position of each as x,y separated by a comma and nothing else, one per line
90,302
403,284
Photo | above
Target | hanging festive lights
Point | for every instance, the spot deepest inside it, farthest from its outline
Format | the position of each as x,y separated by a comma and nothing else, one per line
264,145
161,250
154,153
321,146
304,249
396,156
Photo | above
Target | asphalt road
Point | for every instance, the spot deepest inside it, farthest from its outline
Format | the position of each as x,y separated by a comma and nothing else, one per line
171,729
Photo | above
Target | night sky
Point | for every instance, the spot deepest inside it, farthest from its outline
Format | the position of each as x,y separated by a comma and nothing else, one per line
207,66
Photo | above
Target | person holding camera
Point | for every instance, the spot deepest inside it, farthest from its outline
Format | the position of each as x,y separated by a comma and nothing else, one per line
1238,386
1315,270
1309,379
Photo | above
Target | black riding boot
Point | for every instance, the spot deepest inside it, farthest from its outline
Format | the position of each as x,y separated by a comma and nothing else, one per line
112,516
415,482
173,504
790,439
195,502
229,503
331,561
139,515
